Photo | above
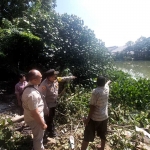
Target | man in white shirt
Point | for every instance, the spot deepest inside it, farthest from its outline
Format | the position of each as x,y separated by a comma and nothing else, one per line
98,115
33,105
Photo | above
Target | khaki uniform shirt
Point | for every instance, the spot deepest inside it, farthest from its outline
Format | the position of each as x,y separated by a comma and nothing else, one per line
31,100
100,100
49,90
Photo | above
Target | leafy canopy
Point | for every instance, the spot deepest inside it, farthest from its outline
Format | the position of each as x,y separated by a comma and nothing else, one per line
65,42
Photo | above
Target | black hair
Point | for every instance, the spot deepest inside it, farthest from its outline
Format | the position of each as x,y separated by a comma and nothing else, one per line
101,81
50,73
21,76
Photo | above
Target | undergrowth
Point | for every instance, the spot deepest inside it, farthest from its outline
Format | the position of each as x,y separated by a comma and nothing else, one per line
128,107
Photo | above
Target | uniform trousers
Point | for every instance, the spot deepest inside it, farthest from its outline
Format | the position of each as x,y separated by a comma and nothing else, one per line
38,134
49,119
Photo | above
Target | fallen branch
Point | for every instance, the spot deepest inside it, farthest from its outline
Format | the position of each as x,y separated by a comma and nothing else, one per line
17,119
76,128
126,126
61,113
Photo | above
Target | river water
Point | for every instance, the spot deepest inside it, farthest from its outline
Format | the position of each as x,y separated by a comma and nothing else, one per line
137,69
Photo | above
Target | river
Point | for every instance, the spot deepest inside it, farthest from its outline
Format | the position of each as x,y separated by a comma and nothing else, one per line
137,69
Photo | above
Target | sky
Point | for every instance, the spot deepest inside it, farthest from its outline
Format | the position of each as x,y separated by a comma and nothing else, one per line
115,22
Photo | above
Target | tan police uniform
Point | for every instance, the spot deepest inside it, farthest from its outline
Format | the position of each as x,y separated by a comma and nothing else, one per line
49,90
31,100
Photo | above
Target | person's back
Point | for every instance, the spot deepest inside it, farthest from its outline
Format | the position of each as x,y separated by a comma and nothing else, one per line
98,115
100,100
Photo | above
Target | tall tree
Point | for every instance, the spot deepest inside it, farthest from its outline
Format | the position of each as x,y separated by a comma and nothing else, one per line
66,43
129,43
11,9
140,49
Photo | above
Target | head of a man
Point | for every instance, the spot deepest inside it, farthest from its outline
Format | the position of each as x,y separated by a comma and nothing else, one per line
22,78
51,75
34,77
101,81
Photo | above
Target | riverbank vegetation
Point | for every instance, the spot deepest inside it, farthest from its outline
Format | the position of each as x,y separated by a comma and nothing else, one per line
38,37
128,107
138,50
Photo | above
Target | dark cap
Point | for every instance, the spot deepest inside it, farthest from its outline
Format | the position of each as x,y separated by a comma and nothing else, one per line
51,72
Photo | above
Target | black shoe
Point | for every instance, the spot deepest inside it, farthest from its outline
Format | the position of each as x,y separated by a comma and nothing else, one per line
46,135
45,140
52,134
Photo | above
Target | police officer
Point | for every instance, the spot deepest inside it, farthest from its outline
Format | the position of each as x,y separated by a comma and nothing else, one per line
33,108
49,89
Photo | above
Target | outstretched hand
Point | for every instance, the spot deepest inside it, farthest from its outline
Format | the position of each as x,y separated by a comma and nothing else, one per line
109,81
74,77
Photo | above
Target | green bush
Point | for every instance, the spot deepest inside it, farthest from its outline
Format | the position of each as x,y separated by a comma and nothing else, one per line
12,140
73,105
127,91
128,98
21,50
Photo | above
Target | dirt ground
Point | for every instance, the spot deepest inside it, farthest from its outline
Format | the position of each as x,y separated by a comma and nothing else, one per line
9,109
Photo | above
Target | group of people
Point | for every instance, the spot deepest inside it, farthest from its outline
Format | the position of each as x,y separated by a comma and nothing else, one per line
39,101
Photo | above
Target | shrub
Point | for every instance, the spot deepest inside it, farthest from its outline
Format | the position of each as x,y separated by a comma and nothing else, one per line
127,91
